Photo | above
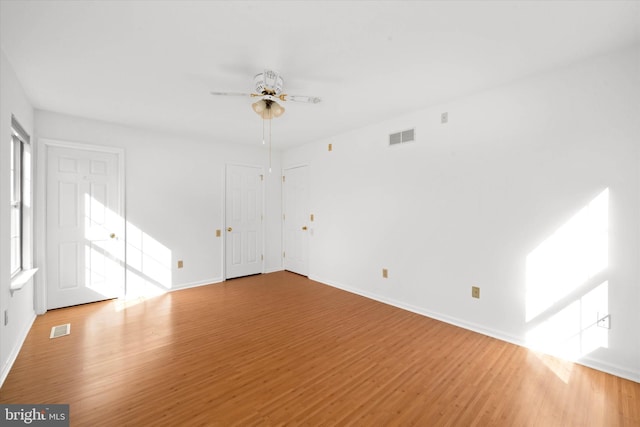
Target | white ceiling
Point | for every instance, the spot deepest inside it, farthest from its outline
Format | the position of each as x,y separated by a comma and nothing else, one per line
152,64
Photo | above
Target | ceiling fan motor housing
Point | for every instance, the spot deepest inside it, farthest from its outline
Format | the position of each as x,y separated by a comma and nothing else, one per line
268,83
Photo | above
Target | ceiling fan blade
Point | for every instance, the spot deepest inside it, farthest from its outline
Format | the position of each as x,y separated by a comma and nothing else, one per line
234,94
300,98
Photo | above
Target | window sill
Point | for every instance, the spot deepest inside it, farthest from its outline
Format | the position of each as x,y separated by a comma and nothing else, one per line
21,279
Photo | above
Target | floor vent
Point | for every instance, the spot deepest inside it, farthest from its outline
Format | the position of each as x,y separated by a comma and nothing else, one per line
60,330
408,135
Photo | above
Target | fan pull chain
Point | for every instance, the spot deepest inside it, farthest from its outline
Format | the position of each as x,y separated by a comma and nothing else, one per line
270,140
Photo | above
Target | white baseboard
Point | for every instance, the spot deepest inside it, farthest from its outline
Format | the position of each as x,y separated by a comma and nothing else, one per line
211,281
273,270
609,368
196,284
15,351
587,361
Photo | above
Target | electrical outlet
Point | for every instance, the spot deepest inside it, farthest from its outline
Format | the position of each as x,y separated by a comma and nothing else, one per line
180,263
604,321
475,292
385,273
444,118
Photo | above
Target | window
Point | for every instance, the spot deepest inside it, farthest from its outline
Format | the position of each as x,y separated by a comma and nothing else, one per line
20,180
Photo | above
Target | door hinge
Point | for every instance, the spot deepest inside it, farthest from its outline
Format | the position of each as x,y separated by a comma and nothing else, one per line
283,179
261,257
283,254
283,217
261,177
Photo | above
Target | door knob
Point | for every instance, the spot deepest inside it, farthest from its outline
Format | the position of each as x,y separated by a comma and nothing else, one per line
229,229
304,228
112,235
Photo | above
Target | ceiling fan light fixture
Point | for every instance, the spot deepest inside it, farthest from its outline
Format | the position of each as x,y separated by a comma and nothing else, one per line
267,109
277,109
259,106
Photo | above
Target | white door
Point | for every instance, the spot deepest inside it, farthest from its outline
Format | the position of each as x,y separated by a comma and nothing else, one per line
296,220
84,227
243,217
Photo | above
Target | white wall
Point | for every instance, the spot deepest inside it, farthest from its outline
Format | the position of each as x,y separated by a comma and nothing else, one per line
473,200
19,306
175,196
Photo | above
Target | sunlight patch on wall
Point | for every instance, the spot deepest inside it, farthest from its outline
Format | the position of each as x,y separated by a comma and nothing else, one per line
102,227
576,252
103,254
148,264
101,271
573,331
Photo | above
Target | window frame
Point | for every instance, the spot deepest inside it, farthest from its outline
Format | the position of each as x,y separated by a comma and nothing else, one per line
19,141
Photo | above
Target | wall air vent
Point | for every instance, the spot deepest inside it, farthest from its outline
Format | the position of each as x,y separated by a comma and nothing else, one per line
408,135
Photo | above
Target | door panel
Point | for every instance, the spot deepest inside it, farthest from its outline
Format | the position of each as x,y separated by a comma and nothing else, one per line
296,223
68,265
243,218
84,228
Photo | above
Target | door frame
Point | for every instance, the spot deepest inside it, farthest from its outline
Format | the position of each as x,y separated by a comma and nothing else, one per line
40,289
224,215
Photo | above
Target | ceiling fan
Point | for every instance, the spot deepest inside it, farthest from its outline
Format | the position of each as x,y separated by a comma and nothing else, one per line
269,89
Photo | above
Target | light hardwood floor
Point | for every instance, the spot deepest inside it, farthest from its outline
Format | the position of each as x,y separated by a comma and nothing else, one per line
281,349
